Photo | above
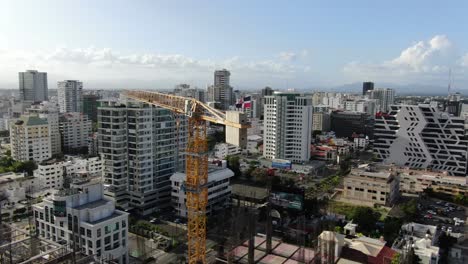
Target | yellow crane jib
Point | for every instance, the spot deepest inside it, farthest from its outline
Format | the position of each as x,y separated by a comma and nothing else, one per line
196,165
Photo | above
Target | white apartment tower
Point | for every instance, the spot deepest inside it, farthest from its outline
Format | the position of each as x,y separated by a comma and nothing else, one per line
75,129
385,97
420,136
287,126
85,220
70,96
33,86
30,139
47,110
138,143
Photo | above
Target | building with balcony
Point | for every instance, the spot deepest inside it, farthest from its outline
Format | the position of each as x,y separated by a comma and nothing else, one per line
30,139
138,143
84,220
287,127
219,191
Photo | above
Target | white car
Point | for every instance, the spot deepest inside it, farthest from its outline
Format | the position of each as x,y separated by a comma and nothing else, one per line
449,229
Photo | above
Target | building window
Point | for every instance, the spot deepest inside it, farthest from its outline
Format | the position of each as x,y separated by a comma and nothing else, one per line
90,244
116,226
116,236
99,232
107,229
98,243
88,232
107,240
124,223
82,231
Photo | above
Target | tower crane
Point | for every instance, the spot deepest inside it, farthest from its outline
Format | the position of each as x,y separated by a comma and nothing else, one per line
196,165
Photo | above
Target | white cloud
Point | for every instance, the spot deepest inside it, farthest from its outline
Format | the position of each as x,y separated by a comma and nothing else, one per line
287,55
422,60
106,64
292,56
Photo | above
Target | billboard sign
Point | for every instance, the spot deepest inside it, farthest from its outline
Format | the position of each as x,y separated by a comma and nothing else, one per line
281,164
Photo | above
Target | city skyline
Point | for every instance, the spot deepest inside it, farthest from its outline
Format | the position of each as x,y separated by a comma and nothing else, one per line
158,45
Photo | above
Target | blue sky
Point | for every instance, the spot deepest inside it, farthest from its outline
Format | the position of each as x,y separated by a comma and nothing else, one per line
285,44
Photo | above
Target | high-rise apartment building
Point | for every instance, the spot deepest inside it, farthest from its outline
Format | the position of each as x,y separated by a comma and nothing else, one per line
287,126
90,105
70,96
366,87
140,149
221,92
385,97
30,139
222,78
33,86
420,136
49,111
267,91
75,129
85,220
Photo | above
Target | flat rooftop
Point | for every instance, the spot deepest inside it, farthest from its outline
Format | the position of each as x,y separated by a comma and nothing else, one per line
371,174
92,205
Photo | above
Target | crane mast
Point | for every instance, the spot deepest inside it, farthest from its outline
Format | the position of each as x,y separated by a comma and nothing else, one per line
196,165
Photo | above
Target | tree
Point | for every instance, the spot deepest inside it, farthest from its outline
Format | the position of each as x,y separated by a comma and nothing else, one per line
338,229
234,165
391,228
365,217
410,209
396,258
259,175
27,166
460,199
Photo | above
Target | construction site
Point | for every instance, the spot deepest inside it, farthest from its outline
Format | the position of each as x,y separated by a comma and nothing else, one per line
18,246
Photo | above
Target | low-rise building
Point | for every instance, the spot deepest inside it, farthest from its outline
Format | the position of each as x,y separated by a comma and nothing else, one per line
338,248
53,173
50,174
222,150
219,191
254,143
422,239
416,181
82,218
361,143
324,153
372,187
15,186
